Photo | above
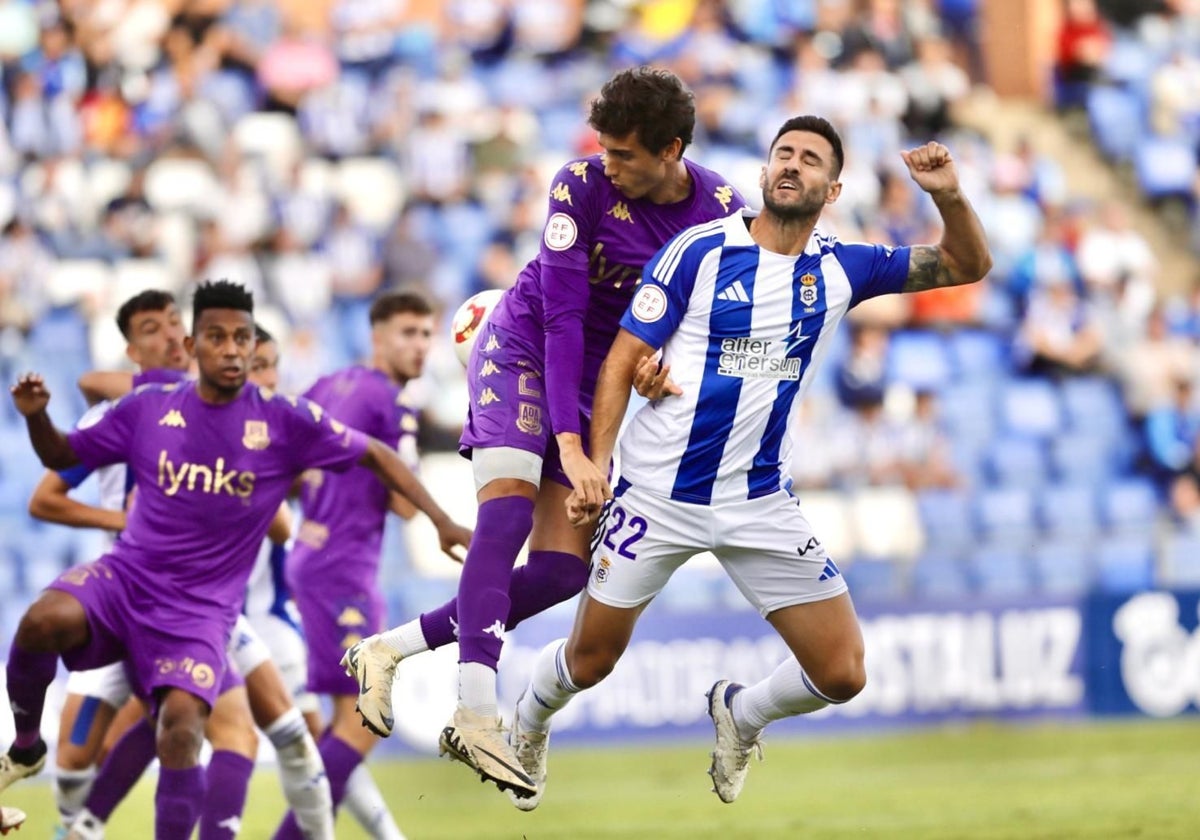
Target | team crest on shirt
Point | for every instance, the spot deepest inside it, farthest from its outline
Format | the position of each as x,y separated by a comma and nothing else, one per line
808,289
529,418
561,231
256,435
649,304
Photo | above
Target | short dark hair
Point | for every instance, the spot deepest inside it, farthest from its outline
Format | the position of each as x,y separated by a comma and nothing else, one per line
816,125
395,303
261,336
652,102
151,300
220,294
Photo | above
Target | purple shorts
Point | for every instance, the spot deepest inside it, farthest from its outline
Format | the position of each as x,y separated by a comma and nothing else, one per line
161,646
335,617
508,401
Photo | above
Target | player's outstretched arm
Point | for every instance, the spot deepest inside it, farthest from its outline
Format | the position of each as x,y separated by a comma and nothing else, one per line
100,385
962,256
385,463
31,397
51,502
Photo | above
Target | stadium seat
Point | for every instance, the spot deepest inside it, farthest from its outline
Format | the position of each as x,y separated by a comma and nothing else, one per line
1181,560
887,523
1116,119
1031,407
372,188
1017,461
41,569
946,519
71,281
976,354
1006,514
829,514
1093,405
1062,566
1000,569
940,577
272,137
1079,457
918,359
966,409
1125,563
106,178
1130,505
133,276
1068,511
187,184
873,580
1165,168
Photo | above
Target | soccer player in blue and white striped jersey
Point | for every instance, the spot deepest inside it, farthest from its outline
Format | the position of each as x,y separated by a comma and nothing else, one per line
743,309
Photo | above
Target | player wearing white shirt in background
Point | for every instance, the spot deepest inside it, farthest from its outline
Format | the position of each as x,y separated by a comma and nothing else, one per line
743,309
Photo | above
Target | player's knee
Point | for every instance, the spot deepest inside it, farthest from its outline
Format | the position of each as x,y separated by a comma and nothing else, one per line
589,667
179,741
560,574
843,680
49,626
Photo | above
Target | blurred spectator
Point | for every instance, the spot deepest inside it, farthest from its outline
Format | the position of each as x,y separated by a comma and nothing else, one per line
934,84
925,456
1049,261
364,34
549,29
1058,337
1084,42
1149,367
861,377
293,65
1184,496
438,161
25,262
1175,94
1172,432
879,26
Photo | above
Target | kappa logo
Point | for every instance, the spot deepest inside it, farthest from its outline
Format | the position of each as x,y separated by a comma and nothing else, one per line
173,419
620,212
724,195
492,344
488,397
562,192
233,824
351,617
496,629
488,368
579,170
735,291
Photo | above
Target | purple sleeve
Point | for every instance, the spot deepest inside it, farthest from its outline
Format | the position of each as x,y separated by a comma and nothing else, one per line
164,376
873,270
110,440
566,241
321,442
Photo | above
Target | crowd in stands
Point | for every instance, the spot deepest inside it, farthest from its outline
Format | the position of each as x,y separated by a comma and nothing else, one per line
322,152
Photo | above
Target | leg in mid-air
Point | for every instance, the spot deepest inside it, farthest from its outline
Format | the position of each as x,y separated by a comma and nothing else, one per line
89,710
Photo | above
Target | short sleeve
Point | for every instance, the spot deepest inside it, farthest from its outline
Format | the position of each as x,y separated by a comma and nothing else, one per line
668,280
320,441
873,270
111,438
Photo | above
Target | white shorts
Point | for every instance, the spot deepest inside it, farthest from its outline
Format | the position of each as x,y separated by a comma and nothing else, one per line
286,647
108,684
765,545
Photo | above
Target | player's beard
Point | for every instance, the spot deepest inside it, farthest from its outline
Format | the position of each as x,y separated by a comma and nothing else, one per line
808,207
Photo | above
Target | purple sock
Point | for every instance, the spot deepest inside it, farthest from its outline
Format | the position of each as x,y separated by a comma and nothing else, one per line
125,764
500,531
29,675
228,778
177,802
340,760
547,578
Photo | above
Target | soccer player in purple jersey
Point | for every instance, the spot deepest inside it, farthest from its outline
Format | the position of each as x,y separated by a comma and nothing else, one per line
745,308
333,569
531,377
213,460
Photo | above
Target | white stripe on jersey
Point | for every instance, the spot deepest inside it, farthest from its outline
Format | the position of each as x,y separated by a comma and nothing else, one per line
670,261
751,353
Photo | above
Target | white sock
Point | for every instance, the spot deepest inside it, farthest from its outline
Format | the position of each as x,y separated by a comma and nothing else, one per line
786,693
550,688
406,639
305,785
365,803
87,826
477,688
71,789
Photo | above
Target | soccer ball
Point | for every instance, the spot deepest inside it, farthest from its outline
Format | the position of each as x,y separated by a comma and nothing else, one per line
469,320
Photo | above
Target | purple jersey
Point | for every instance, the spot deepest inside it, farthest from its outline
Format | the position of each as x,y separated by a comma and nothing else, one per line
210,478
571,297
344,514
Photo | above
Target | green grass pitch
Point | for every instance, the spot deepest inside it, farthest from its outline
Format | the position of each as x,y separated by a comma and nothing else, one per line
1128,779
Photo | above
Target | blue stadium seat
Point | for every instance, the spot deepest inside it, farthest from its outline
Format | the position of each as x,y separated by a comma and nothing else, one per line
1079,457
1006,514
41,569
1130,505
1001,568
977,354
1165,168
1069,511
877,580
918,359
1093,405
1181,560
946,519
12,571
1031,407
966,409
1125,563
1062,566
1015,461
940,577
1116,119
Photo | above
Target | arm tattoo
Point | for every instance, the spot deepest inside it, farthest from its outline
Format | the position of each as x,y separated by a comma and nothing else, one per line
926,269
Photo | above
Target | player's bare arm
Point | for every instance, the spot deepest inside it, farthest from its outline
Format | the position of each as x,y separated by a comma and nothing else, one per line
51,502
962,255
280,529
30,396
99,385
385,463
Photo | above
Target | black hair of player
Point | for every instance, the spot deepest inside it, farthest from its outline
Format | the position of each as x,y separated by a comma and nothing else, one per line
397,303
220,294
815,125
652,102
151,300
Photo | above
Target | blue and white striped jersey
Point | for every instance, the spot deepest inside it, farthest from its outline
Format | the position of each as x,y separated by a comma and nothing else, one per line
743,330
